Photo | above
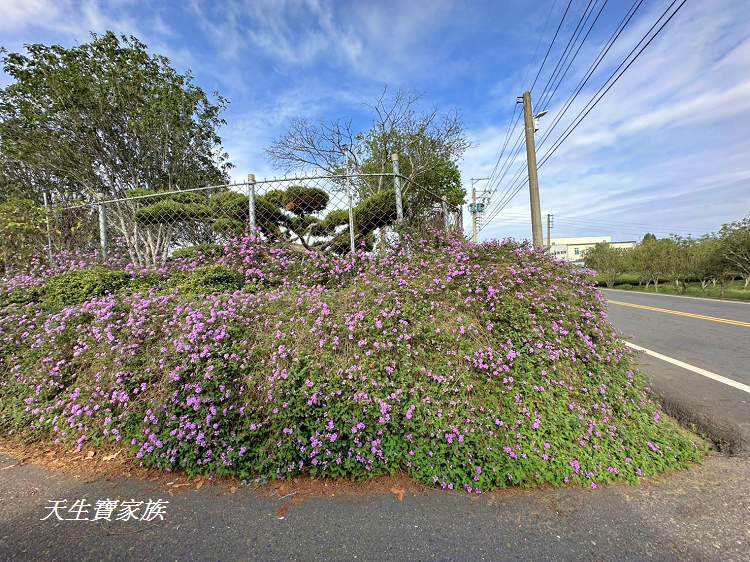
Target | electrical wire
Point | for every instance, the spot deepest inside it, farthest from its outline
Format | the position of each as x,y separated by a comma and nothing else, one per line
592,68
541,66
545,104
594,65
544,60
568,131
603,90
565,52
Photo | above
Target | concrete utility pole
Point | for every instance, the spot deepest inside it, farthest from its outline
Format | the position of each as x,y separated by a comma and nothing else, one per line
549,231
397,188
251,200
473,208
536,216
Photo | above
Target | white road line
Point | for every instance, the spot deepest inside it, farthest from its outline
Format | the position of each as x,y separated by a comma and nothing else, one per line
688,297
692,368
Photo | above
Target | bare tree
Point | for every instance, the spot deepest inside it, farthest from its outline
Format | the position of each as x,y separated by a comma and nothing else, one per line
325,147
423,140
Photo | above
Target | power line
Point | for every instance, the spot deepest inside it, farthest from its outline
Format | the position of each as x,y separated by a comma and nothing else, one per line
594,65
507,192
576,33
544,60
511,122
515,121
545,105
617,224
565,52
613,223
511,127
512,156
592,68
603,90
575,124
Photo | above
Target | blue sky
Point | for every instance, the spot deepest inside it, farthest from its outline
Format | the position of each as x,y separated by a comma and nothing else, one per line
666,151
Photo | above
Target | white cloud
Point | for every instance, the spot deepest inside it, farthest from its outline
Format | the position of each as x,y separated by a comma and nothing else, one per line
374,40
17,14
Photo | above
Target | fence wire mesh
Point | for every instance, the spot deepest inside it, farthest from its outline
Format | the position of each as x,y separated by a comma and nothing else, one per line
333,213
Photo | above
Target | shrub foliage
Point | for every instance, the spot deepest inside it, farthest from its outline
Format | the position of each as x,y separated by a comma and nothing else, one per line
77,286
468,367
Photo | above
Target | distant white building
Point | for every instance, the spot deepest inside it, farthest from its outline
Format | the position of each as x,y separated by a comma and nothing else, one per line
573,249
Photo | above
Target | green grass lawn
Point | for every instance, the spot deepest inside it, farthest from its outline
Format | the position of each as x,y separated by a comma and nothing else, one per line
733,290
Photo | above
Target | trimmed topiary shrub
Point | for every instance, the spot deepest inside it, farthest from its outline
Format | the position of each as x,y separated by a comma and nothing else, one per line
376,211
302,200
229,227
77,286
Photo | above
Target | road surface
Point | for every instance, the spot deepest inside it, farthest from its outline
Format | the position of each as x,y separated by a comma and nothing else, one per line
710,342
700,514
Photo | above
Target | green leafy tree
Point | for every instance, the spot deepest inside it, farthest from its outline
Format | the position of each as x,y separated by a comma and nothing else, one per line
651,260
608,261
22,232
735,239
682,261
709,263
106,117
429,144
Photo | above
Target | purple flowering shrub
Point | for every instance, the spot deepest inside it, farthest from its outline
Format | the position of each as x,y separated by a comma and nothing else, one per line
466,366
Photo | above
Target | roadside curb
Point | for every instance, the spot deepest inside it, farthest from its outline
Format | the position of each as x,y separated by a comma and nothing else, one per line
729,437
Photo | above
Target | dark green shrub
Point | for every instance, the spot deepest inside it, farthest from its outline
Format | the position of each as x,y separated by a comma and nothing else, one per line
336,218
275,197
75,287
376,211
228,226
207,250
341,243
19,296
230,204
268,214
168,211
143,283
211,279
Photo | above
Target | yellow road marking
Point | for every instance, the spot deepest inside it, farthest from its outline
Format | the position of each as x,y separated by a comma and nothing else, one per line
681,313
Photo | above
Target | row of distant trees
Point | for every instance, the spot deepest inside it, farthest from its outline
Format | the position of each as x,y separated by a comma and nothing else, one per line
711,260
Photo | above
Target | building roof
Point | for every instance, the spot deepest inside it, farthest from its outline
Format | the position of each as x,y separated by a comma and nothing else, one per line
581,240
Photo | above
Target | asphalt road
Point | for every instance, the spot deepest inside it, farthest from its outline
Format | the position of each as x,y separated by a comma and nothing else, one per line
708,334
699,514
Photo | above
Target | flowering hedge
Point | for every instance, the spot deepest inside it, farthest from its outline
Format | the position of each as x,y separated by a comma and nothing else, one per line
466,366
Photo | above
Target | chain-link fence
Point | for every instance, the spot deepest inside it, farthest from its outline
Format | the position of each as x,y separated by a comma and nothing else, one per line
328,213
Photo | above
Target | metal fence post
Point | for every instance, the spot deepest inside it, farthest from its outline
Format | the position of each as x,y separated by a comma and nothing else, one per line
251,199
351,206
397,188
446,219
49,229
103,242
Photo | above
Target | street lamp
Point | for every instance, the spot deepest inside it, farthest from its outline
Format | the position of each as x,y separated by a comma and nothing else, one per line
537,117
